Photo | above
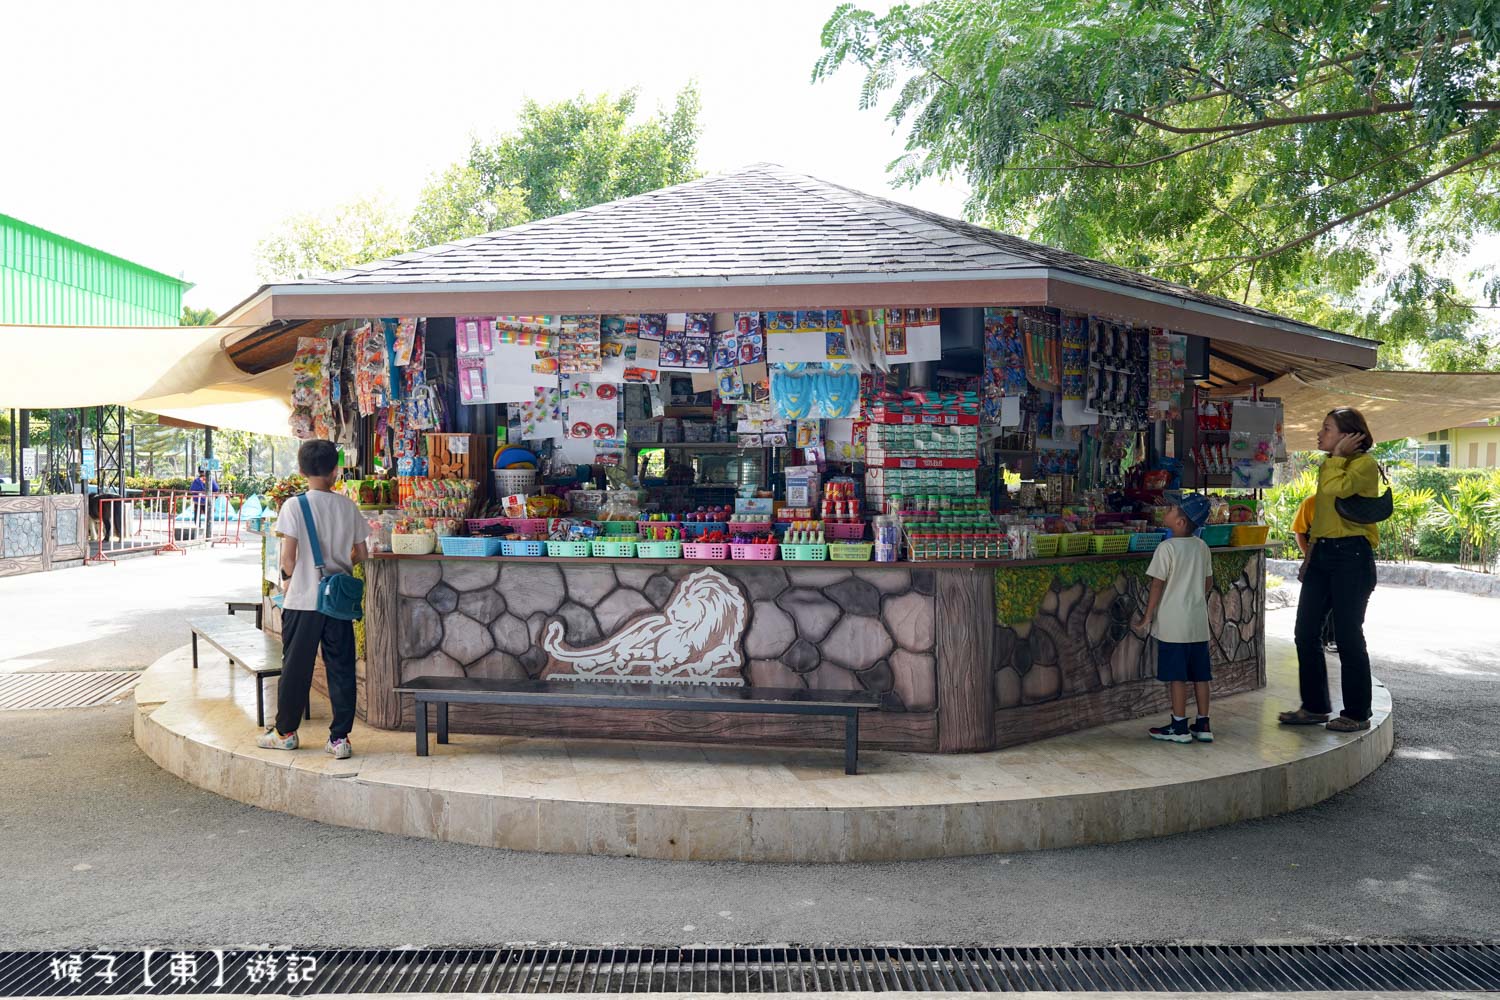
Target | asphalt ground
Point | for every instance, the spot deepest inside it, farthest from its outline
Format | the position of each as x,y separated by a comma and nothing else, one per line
101,848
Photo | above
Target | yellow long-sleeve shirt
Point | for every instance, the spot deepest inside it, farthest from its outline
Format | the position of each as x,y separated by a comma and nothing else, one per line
1357,475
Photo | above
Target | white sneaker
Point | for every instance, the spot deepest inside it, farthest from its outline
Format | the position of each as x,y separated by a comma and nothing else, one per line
340,749
272,740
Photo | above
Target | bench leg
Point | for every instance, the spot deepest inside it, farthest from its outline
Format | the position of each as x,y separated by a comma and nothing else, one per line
442,722
851,743
419,709
195,650
260,702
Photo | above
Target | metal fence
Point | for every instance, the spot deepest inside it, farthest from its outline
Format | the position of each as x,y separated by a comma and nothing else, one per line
168,521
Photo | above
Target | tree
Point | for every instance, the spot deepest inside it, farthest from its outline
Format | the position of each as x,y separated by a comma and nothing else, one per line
562,156
456,204
198,317
311,243
1274,151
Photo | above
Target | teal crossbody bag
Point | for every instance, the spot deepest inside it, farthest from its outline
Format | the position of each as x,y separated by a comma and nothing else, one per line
340,595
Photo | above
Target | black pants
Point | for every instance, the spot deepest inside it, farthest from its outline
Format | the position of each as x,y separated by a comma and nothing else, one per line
1340,578
302,632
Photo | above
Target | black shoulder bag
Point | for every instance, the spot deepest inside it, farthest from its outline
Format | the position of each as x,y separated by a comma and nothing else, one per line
1367,510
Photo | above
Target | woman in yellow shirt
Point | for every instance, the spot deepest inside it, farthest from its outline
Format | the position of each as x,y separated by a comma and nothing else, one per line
1338,575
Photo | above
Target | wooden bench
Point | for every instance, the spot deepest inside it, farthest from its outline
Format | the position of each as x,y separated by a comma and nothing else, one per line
230,607
247,647
443,691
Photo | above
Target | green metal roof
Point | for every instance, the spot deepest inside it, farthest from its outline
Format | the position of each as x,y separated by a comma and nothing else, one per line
46,278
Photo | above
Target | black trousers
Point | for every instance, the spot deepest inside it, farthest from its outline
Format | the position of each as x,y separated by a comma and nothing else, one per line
1340,579
302,633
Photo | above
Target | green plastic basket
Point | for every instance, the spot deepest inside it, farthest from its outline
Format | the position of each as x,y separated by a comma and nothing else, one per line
804,553
626,528
613,549
851,551
658,550
567,550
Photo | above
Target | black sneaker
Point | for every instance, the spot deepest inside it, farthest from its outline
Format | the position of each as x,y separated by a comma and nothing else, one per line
1175,731
1200,730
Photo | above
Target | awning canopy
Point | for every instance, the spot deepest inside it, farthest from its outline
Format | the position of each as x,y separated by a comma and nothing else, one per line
181,372
1397,404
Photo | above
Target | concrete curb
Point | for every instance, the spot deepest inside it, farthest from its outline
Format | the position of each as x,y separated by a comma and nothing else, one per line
1414,574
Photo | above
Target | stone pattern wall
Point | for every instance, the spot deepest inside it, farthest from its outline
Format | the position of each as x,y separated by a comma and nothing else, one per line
1082,639
824,627
23,535
67,526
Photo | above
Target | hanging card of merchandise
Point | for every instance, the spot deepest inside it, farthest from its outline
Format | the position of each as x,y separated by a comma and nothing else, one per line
1255,438
310,389
1168,374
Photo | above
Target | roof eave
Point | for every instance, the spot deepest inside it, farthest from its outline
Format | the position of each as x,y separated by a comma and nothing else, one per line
1014,286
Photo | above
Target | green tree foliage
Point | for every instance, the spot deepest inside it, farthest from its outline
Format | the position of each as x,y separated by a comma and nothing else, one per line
459,203
562,156
198,317
314,243
1306,156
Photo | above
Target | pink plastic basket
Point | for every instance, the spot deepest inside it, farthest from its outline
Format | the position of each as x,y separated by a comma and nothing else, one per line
749,527
844,531
520,525
705,550
743,550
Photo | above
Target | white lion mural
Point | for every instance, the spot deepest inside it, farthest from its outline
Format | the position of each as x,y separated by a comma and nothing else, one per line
694,639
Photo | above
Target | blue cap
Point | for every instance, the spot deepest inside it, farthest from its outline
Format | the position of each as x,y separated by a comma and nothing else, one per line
1195,507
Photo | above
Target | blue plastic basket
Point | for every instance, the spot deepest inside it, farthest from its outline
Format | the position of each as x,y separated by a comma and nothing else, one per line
455,545
517,548
698,529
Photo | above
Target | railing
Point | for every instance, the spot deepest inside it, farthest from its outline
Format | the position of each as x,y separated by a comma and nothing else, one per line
169,521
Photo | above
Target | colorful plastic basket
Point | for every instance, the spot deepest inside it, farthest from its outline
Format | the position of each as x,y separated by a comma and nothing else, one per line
658,550
1110,545
1216,534
804,553
749,527
744,550
453,545
1076,544
850,551
629,529
1250,534
1045,546
1146,541
567,550
705,550
616,549
512,548
697,529
844,531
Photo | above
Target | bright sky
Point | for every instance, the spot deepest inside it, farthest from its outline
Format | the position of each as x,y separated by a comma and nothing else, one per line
178,134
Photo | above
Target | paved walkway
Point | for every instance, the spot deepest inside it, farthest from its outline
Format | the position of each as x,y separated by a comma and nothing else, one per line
123,616
103,848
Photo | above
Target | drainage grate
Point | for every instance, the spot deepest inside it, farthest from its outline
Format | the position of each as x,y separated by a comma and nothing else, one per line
72,689
572,969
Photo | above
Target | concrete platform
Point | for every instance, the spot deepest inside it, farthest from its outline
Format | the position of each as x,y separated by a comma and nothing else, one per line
704,803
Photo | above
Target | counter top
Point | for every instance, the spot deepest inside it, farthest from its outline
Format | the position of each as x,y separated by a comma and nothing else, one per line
822,564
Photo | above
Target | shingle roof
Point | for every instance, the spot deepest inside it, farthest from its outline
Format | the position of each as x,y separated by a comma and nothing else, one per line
762,221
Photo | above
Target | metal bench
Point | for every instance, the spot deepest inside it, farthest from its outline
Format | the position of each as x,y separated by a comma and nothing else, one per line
230,607
443,691
246,647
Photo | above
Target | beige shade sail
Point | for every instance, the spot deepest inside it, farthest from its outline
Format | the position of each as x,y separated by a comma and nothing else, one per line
1397,404
182,372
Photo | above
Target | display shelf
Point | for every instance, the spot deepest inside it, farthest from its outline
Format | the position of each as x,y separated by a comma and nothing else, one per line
880,461
879,416
698,445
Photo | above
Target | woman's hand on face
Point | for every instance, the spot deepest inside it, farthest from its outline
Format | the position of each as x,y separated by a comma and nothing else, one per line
1346,445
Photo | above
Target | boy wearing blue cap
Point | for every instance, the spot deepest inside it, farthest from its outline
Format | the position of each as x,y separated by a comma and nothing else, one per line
1182,574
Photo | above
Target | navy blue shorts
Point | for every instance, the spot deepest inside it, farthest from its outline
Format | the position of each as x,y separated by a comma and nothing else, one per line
1182,661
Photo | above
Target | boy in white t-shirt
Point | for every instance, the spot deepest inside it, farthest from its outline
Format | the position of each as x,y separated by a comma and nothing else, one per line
342,531
1182,575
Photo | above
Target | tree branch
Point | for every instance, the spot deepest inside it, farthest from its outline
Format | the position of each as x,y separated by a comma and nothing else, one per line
1399,107
1344,219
